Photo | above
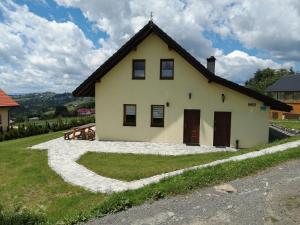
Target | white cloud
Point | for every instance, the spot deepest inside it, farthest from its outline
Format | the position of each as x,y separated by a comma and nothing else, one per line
240,66
186,21
38,55
121,19
272,25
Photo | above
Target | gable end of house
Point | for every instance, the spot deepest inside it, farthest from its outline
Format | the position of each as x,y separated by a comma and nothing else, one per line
87,88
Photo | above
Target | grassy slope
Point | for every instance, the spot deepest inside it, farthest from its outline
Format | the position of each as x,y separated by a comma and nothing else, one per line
26,180
189,181
293,124
130,167
45,103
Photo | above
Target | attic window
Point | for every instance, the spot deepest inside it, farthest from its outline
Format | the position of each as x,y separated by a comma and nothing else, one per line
138,69
167,69
129,115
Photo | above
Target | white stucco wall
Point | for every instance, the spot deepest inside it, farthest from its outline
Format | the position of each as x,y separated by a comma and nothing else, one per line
4,118
248,124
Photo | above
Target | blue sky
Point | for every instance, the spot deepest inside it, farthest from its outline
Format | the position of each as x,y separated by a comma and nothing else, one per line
52,11
65,40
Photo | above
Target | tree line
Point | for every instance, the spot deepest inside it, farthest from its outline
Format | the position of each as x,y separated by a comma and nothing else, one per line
30,129
266,77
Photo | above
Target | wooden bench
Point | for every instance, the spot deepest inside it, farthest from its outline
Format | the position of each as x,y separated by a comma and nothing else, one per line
84,132
67,134
90,135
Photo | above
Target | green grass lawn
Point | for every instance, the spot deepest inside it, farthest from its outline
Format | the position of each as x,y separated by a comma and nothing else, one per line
27,181
190,181
292,124
128,167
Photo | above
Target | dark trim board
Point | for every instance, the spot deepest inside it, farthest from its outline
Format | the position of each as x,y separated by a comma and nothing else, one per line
87,88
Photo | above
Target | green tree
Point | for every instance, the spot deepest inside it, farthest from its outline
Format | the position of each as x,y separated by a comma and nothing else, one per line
61,111
266,77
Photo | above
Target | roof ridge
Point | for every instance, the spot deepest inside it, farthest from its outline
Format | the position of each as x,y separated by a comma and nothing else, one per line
87,88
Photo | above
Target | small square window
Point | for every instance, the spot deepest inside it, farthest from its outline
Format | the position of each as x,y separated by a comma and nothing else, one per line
167,69
157,116
138,69
129,118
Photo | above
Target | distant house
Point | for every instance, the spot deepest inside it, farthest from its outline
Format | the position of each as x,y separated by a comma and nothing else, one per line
286,89
85,112
153,90
6,103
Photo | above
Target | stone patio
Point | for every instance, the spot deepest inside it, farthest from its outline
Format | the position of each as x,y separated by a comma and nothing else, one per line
62,157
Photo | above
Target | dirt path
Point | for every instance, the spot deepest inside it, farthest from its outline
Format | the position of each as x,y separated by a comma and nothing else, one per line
271,197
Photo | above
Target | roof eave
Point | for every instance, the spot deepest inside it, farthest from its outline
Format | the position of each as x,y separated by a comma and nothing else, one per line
111,61
9,106
87,88
284,108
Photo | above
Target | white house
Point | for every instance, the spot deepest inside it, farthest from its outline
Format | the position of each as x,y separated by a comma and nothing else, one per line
153,90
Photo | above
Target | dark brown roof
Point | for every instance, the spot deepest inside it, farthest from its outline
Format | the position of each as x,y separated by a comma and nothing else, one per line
6,101
87,88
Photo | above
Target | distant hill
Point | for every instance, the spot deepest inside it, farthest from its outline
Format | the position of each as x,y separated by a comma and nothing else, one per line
43,104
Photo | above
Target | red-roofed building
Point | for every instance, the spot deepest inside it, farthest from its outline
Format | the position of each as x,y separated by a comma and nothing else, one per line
85,112
6,102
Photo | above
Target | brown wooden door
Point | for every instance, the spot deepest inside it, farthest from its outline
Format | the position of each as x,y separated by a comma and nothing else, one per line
191,131
222,128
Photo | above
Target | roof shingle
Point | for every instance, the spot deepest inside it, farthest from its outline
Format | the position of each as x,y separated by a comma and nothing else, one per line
6,101
286,83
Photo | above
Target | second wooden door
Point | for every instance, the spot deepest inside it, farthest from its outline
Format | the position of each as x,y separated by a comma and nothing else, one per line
222,129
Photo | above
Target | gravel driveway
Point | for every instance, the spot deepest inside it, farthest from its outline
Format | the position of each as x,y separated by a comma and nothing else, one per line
271,197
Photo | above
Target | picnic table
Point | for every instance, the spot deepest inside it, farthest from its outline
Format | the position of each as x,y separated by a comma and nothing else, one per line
84,132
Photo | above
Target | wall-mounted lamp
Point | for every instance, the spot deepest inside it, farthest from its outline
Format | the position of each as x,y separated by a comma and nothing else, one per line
167,104
223,98
190,95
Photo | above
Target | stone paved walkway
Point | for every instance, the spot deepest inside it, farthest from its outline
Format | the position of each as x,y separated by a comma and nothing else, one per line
62,156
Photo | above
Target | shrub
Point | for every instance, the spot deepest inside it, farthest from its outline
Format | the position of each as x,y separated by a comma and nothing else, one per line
31,129
20,217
